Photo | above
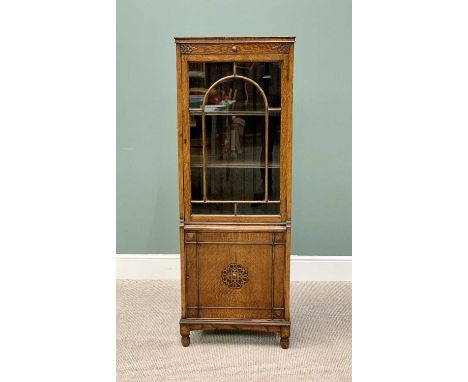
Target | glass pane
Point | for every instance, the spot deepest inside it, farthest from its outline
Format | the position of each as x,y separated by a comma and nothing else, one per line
258,209
201,76
235,144
267,75
234,95
274,134
213,208
235,183
235,160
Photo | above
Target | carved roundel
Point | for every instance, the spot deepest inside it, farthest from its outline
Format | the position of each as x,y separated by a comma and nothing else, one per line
235,276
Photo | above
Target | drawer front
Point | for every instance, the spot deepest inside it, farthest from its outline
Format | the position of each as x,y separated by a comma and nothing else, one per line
235,275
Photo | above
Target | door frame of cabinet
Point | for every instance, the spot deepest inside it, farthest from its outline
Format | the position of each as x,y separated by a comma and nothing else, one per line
286,60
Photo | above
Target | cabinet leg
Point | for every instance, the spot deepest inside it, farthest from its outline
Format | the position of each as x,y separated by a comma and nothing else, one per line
185,341
285,332
185,333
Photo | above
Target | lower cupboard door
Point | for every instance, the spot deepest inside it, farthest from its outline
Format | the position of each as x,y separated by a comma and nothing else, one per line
238,281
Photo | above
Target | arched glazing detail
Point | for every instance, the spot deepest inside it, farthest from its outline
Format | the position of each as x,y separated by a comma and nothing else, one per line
235,149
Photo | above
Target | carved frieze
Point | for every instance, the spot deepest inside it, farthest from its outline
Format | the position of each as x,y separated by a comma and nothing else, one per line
186,48
281,48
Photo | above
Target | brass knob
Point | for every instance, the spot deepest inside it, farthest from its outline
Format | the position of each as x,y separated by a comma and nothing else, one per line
235,49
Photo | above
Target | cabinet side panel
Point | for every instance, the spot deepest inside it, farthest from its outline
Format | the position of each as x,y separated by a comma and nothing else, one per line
191,278
185,127
183,264
284,159
279,270
180,135
289,138
289,192
181,185
287,275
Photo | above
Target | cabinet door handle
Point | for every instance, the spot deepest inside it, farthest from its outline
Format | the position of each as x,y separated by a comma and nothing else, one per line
235,49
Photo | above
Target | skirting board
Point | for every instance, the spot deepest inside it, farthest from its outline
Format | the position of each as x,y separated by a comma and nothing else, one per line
167,267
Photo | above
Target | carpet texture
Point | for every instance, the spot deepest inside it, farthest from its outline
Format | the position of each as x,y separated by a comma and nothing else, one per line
149,349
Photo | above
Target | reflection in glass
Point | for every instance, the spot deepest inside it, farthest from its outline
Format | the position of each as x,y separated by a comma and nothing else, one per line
201,76
235,158
258,209
235,95
213,208
228,164
267,75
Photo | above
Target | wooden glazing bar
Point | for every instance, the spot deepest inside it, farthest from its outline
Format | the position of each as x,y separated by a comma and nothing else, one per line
224,79
266,155
203,151
235,201
234,165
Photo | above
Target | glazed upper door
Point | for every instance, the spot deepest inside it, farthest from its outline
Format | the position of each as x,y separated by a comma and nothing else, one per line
235,138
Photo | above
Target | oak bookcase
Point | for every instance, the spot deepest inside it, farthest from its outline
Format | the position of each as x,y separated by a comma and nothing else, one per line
234,135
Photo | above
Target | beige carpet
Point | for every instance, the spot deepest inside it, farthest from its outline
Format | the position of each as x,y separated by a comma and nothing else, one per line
149,349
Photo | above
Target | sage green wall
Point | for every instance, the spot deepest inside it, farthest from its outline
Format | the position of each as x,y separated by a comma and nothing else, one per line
147,201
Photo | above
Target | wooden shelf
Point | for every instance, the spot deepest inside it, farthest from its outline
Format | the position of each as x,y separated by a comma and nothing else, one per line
217,163
240,164
271,112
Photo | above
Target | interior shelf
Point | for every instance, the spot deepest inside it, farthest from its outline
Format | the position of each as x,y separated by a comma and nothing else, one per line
271,111
219,163
235,201
231,164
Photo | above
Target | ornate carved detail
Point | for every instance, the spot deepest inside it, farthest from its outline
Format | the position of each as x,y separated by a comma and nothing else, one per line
282,48
235,276
186,48
190,236
280,237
